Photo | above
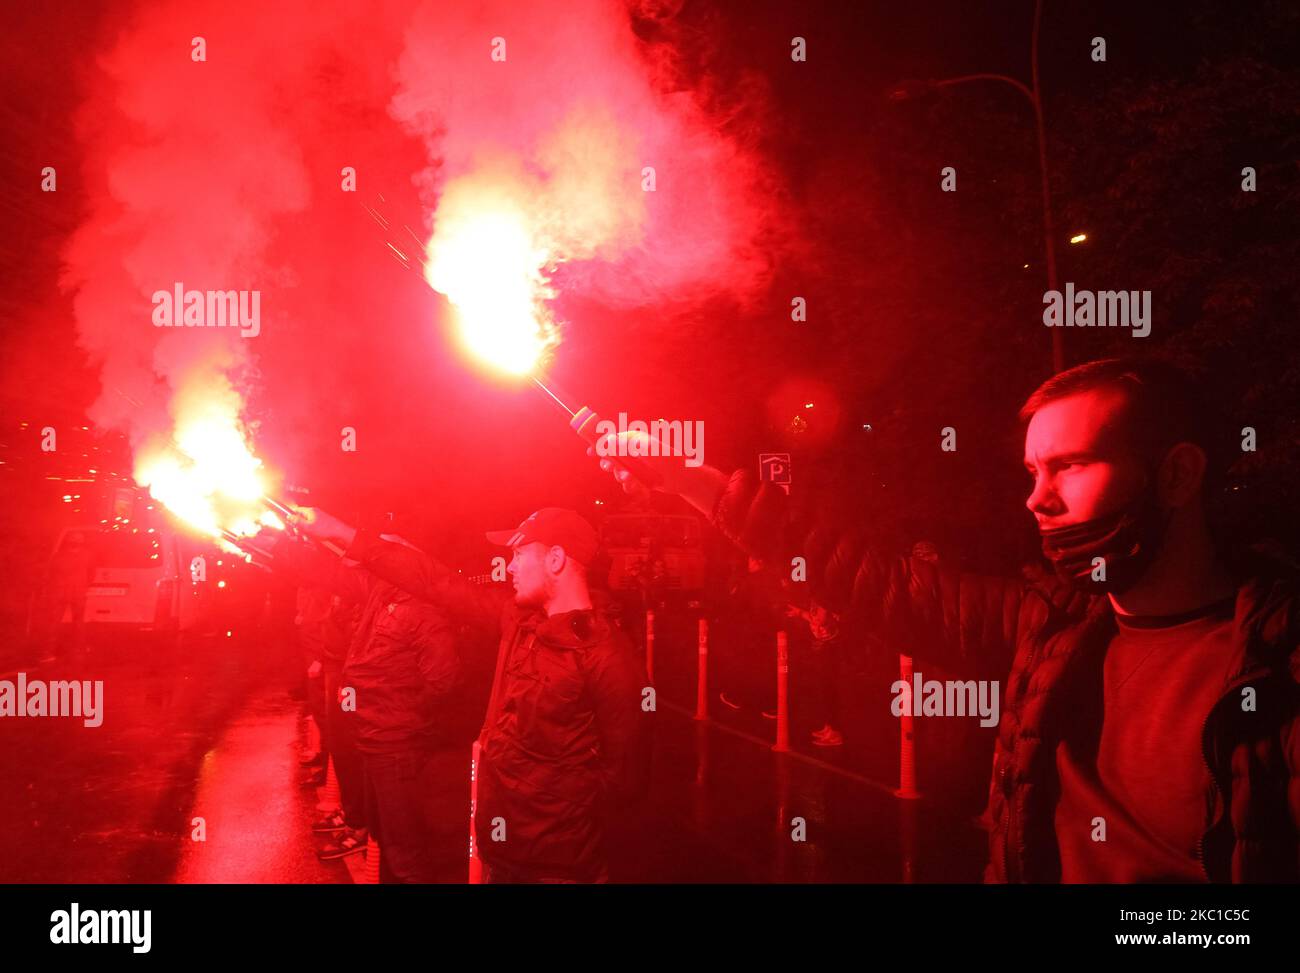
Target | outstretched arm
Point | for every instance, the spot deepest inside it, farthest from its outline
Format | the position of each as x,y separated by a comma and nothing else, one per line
408,568
428,579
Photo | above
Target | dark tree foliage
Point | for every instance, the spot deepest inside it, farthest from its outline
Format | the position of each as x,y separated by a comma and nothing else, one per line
937,297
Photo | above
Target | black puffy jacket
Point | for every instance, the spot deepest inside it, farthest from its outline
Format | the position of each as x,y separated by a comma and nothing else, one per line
564,743
1052,642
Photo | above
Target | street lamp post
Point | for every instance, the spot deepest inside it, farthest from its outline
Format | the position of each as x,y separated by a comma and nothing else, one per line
909,89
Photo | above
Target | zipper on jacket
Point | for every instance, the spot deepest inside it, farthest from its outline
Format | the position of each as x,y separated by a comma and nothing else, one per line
1214,783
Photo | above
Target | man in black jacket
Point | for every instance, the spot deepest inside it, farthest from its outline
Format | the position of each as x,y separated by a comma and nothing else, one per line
566,737
399,667
1151,729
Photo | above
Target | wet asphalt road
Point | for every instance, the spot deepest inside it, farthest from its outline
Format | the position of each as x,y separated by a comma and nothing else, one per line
209,729
187,730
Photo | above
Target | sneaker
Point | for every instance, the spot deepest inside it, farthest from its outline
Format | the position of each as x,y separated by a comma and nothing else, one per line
330,822
831,738
351,842
722,698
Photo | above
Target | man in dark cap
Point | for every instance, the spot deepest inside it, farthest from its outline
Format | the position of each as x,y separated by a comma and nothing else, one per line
565,741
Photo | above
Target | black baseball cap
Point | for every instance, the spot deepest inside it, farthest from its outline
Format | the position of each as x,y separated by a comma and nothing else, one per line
553,526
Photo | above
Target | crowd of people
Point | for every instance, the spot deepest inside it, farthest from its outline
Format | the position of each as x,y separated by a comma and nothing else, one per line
1148,679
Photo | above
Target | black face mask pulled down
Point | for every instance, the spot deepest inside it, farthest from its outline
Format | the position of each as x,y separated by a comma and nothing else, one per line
1126,541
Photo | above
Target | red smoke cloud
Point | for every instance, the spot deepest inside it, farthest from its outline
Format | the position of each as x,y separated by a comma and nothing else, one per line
575,102
226,174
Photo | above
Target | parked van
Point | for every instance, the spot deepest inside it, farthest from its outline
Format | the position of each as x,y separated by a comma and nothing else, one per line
139,578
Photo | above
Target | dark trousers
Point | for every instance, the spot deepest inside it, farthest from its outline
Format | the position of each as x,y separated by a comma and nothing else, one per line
398,799
314,687
341,742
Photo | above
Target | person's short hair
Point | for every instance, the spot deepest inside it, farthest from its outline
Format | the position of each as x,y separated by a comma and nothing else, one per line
1165,405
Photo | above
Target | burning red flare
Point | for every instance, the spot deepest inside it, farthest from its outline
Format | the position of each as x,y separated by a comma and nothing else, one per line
206,473
491,268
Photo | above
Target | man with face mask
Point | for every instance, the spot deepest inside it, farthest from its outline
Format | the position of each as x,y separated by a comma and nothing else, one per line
1151,724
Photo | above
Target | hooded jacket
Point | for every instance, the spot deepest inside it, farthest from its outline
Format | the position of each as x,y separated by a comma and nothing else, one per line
1052,641
565,739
